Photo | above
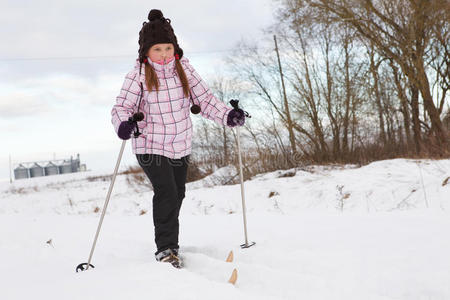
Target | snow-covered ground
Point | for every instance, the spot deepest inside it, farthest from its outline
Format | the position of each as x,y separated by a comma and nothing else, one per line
376,232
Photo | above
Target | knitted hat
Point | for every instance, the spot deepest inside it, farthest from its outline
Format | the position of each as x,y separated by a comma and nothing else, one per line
157,31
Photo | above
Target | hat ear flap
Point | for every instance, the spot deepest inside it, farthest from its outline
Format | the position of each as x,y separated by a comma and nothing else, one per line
179,51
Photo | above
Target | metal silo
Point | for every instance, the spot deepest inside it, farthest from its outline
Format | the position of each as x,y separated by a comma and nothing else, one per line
65,167
75,163
21,172
51,169
36,170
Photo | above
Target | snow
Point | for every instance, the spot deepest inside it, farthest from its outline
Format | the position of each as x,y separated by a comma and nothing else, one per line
328,232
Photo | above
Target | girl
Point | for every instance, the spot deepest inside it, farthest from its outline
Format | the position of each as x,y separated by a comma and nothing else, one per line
157,93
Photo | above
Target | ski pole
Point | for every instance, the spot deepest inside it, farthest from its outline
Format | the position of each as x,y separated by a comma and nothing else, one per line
85,266
234,103
134,119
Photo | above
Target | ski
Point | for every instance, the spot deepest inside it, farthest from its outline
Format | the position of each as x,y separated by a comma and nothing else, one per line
174,260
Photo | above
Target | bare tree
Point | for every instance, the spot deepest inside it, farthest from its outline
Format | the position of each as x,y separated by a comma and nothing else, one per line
401,30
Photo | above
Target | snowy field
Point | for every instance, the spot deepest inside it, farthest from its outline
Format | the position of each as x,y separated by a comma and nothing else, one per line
376,232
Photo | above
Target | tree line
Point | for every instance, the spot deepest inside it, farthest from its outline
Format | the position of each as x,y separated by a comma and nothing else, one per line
353,81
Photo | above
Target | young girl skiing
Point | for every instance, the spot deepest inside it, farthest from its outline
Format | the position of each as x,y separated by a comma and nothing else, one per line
154,102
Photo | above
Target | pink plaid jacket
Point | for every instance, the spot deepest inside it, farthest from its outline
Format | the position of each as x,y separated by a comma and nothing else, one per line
167,127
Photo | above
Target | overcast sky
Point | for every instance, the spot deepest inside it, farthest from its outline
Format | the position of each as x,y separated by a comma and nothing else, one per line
62,64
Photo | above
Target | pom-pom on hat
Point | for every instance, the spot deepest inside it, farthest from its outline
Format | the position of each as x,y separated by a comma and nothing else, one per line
156,31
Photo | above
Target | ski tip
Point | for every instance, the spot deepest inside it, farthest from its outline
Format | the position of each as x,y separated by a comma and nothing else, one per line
233,277
230,257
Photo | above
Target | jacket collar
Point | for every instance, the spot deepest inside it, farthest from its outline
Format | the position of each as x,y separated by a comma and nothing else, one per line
161,70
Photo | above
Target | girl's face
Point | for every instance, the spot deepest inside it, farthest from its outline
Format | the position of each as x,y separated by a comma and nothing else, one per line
161,52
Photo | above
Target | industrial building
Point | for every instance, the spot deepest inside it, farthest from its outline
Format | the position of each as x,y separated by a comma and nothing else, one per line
45,168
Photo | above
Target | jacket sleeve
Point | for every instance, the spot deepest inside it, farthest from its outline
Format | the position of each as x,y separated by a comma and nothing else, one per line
126,101
211,108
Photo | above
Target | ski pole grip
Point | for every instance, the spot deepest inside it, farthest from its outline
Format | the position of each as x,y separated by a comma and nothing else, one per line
235,104
137,117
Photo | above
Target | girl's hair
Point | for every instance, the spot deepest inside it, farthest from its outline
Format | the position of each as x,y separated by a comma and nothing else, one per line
151,80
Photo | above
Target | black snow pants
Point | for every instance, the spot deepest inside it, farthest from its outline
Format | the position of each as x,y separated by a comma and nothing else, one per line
168,178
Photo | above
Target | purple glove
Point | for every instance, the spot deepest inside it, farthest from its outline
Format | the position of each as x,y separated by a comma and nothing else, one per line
236,117
125,129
